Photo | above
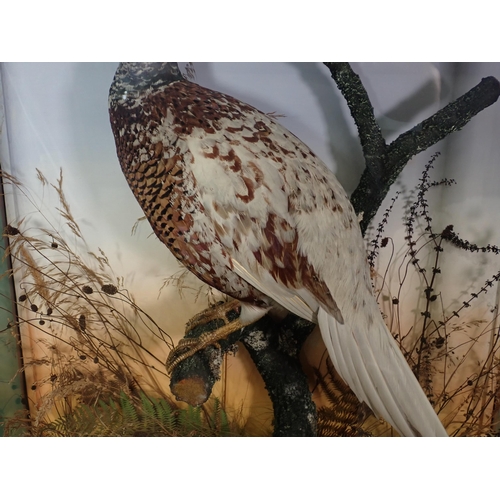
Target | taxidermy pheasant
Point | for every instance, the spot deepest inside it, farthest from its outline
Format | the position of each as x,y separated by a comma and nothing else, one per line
252,211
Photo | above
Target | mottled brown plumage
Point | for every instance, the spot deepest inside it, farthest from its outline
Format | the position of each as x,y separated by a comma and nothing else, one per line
248,208
165,189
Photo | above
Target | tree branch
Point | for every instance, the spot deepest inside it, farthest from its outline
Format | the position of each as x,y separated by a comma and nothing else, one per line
384,163
370,134
277,359
270,345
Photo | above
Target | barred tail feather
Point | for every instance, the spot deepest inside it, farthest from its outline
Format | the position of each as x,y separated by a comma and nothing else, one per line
372,364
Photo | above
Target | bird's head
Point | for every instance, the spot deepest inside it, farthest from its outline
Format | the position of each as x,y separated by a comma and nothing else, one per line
135,77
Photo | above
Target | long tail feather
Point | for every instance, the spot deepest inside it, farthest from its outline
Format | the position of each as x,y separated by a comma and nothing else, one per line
372,364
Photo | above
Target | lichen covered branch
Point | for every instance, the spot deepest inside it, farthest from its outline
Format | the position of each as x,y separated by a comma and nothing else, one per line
383,163
270,346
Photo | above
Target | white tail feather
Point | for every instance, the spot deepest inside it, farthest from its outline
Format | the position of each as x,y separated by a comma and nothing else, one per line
372,364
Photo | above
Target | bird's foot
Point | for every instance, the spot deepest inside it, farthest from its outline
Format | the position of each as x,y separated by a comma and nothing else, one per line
225,313
218,311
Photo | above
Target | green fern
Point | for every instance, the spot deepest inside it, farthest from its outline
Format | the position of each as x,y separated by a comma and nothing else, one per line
224,428
138,416
166,416
190,421
218,419
149,415
129,411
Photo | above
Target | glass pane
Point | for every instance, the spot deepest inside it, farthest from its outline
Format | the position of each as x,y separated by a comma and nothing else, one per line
85,226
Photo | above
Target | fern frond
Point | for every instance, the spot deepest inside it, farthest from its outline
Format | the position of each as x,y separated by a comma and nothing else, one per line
166,416
344,414
129,412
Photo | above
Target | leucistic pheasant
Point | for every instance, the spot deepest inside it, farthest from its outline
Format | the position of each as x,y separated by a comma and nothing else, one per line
252,211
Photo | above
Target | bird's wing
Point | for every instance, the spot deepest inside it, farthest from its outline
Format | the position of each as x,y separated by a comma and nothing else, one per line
291,232
254,183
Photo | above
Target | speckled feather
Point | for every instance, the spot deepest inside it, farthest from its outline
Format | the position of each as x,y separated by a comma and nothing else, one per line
249,209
